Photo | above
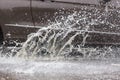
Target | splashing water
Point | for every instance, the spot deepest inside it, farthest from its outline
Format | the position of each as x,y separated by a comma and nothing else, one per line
67,36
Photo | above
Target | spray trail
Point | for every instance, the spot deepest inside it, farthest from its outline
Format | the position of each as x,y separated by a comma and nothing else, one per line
68,35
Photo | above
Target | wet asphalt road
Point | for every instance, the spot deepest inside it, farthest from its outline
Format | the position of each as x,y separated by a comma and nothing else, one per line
20,69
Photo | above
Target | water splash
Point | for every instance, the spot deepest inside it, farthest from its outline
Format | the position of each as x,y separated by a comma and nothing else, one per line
67,36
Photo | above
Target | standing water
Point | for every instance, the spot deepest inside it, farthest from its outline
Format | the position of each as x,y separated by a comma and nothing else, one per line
58,51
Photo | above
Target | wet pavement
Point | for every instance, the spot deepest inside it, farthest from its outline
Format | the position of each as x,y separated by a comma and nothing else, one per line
21,69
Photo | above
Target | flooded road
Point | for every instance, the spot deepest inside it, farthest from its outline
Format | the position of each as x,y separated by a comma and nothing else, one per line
21,69
63,45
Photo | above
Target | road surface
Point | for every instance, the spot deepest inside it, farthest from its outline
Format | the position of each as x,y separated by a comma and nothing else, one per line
83,69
